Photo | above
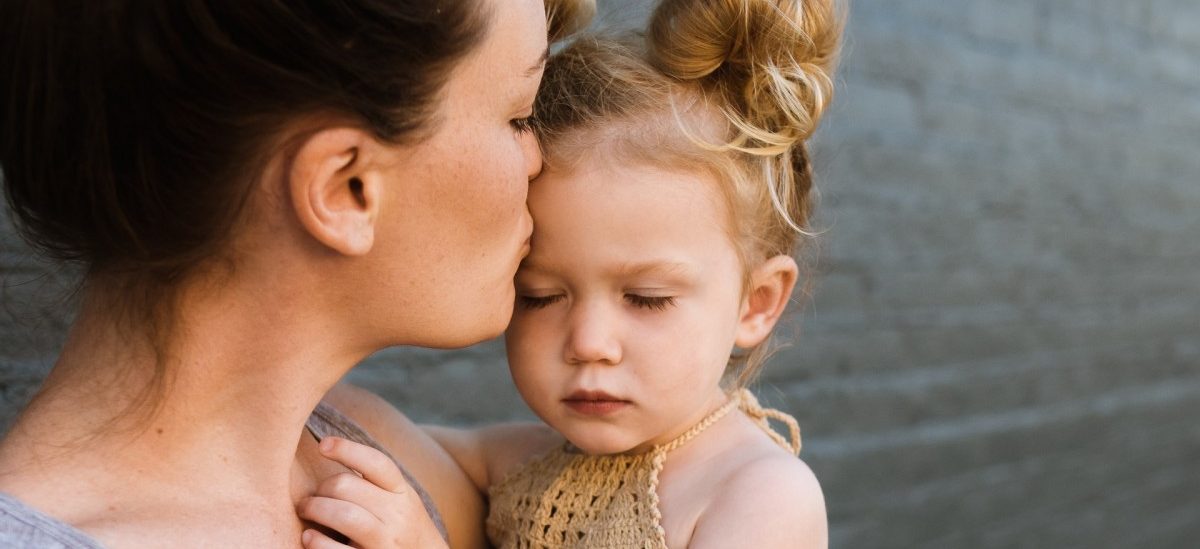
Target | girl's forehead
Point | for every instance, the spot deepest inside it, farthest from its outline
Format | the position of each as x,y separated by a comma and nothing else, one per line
626,214
600,190
603,178
684,125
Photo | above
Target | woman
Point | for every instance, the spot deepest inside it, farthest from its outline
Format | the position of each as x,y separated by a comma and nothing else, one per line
263,194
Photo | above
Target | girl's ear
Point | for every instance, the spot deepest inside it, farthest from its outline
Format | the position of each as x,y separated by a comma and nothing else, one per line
771,285
334,191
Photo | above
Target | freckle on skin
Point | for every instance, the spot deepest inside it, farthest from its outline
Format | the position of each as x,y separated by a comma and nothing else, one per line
159,430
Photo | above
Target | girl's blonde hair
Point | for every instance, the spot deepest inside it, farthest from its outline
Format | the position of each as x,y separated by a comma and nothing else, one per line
730,87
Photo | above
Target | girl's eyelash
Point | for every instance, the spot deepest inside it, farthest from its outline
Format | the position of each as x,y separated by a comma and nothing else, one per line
540,302
522,125
653,303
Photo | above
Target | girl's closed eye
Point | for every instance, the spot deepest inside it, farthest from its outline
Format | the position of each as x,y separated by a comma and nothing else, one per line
533,302
653,303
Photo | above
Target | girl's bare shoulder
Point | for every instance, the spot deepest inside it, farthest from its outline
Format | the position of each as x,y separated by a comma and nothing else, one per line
768,498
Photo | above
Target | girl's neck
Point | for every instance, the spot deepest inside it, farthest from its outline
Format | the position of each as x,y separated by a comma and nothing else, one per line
243,370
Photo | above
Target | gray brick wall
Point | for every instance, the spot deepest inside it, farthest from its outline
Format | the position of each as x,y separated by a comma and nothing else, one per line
1003,348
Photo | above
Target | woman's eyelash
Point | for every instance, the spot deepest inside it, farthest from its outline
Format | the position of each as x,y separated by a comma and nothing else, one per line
522,125
531,302
651,302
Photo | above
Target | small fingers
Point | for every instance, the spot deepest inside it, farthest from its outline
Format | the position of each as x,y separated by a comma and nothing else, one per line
350,519
372,464
359,491
312,539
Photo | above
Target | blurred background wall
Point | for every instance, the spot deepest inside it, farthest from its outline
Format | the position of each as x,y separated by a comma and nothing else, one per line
1003,348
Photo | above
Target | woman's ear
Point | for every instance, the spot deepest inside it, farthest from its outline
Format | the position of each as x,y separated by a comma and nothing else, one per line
334,192
771,285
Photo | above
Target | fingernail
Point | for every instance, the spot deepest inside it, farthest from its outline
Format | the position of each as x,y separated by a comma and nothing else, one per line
326,445
306,537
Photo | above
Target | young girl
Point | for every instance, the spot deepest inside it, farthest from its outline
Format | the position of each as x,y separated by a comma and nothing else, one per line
675,187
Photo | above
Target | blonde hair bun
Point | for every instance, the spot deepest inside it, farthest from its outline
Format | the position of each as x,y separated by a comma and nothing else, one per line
771,61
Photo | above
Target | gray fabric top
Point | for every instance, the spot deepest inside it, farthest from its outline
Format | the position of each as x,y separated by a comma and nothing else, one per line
327,421
24,526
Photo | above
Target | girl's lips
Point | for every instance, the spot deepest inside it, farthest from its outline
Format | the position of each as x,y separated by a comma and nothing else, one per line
595,403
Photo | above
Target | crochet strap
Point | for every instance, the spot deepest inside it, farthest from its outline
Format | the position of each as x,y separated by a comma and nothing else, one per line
697,428
749,405
659,457
762,417
746,401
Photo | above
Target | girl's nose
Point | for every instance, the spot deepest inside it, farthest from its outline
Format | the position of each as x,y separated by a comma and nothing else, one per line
592,338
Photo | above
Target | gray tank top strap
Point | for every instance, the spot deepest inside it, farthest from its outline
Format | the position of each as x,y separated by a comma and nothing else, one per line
24,526
327,421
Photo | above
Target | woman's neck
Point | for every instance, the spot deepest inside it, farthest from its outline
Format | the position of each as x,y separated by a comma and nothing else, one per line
244,367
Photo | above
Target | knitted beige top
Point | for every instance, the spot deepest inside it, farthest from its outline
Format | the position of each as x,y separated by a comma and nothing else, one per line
569,499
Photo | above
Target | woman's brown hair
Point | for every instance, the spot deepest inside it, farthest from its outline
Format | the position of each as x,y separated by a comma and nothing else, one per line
133,129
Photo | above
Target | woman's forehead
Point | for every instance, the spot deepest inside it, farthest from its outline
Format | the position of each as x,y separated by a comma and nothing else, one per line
515,44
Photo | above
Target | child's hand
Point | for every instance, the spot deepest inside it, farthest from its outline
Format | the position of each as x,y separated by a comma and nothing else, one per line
377,510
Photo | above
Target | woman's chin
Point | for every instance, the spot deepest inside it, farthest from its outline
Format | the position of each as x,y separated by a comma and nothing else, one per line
471,329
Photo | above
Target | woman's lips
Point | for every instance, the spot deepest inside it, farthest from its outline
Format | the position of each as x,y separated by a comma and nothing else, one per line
595,403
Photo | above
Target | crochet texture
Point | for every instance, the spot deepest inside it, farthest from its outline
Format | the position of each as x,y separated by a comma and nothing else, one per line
567,499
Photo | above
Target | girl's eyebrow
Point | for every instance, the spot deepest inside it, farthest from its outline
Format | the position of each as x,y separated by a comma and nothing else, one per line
662,268
528,265
628,269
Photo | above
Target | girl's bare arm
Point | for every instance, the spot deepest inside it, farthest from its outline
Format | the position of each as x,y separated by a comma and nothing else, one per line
487,454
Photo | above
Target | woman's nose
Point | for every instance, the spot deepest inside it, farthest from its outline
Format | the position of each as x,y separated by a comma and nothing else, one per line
533,155
593,338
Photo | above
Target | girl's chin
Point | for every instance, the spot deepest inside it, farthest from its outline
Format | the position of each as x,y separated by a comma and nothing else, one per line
596,447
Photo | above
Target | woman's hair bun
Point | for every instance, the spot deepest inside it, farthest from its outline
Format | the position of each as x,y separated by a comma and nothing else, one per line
770,63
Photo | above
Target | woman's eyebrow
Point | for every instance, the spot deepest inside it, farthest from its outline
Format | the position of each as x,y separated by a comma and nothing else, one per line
532,71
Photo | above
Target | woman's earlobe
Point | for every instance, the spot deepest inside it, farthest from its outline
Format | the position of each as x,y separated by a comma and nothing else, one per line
333,192
771,285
